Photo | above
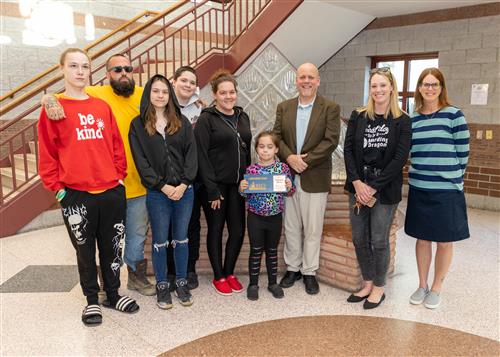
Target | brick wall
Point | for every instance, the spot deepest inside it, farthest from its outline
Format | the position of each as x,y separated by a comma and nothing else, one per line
468,53
338,265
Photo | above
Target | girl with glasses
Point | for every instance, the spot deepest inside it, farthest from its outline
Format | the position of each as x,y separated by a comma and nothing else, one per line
376,148
436,203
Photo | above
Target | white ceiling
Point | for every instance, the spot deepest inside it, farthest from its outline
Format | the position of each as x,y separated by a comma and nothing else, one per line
401,7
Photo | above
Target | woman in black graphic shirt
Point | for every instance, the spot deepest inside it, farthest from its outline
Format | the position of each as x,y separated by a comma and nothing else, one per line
376,148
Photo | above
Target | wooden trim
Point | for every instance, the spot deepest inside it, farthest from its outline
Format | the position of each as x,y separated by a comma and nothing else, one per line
458,13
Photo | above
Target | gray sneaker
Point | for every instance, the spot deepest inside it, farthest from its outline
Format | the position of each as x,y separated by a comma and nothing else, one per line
432,300
163,298
182,292
418,296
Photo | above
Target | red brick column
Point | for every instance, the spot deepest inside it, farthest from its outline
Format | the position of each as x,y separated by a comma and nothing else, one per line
338,265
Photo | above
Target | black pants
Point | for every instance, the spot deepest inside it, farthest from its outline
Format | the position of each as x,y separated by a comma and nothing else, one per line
264,233
193,236
96,218
231,212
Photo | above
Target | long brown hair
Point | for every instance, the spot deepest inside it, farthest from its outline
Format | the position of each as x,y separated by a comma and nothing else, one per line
443,96
173,121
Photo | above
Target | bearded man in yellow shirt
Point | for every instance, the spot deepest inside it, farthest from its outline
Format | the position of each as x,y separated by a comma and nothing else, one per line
124,98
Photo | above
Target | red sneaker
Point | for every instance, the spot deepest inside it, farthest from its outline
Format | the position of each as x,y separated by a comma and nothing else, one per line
222,286
234,283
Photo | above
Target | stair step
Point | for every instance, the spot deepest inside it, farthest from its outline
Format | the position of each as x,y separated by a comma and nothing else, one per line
8,179
30,158
7,190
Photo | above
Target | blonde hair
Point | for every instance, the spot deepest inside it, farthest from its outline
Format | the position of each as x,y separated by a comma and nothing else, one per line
393,108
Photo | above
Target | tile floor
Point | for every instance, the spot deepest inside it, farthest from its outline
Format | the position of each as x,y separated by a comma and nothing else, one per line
48,323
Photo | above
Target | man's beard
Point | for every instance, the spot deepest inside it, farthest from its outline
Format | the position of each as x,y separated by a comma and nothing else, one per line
123,88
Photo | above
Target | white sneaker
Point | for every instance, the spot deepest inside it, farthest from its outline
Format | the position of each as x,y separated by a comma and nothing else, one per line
419,296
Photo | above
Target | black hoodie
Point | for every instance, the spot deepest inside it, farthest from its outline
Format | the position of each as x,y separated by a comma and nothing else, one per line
171,160
223,150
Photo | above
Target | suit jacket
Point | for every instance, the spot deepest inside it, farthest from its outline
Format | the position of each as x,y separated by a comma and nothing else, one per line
322,137
388,184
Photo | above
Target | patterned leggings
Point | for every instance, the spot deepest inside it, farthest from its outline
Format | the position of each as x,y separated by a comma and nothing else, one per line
264,233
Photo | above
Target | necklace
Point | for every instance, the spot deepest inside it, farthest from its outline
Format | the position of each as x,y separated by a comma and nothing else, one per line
428,116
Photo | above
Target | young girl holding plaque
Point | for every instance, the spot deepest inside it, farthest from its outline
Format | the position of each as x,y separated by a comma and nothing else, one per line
265,215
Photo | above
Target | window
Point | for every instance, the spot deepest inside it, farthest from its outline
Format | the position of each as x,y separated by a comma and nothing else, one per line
406,69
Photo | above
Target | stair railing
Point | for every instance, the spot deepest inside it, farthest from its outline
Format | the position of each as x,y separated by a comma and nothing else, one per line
160,45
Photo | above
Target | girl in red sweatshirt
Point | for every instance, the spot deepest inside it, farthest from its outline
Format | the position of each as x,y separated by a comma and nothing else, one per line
83,160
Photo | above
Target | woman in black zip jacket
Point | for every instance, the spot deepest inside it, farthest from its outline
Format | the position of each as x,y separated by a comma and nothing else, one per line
223,139
164,150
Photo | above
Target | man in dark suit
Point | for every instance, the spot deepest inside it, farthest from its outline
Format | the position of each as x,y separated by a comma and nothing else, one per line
308,129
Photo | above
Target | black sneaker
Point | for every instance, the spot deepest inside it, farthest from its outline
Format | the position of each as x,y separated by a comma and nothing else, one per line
163,298
182,292
312,286
253,292
192,279
171,283
290,278
276,290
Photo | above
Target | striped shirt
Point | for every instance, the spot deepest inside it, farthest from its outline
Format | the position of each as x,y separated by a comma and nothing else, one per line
439,150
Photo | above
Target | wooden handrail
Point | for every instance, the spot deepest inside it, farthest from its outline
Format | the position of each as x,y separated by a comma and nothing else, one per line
12,92
141,27
157,30
36,90
40,88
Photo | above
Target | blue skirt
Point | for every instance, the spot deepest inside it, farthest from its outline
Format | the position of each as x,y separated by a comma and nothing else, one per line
436,216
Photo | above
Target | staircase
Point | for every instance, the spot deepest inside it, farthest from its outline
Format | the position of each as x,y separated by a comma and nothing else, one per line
205,34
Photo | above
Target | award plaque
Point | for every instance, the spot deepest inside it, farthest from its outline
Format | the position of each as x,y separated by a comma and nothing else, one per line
265,183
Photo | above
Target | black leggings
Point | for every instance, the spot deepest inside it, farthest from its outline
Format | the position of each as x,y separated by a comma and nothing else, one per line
264,233
231,212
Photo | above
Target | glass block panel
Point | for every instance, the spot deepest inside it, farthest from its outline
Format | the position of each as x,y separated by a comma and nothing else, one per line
257,117
268,100
338,165
251,82
270,61
243,101
286,82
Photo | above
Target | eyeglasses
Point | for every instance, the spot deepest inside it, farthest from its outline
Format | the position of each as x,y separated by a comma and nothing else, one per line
430,85
380,70
119,69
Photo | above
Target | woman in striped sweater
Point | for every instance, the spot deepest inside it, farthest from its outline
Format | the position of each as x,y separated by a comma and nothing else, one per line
436,203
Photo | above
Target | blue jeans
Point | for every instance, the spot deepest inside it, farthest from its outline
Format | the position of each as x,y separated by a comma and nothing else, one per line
163,212
370,236
136,228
